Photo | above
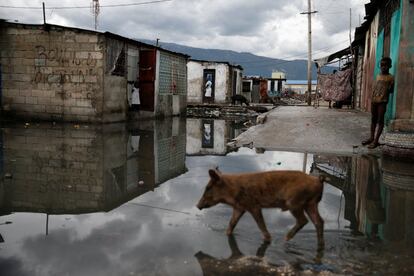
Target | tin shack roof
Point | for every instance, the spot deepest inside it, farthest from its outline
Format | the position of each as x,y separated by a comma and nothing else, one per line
48,27
215,61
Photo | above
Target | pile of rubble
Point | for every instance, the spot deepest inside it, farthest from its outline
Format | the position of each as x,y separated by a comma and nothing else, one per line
217,111
291,101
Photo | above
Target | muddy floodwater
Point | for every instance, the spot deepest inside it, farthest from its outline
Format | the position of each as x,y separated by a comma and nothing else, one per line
120,200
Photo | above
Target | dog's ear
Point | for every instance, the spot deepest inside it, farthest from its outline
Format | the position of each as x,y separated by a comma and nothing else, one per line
214,175
217,169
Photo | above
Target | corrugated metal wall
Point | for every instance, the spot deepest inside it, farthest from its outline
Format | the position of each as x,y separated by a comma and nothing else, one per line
369,64
394,51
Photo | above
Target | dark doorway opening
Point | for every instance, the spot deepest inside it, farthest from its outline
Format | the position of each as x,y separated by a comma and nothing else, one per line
147,69
209,83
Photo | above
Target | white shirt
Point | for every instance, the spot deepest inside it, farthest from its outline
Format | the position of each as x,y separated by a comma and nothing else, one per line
135,96
209,84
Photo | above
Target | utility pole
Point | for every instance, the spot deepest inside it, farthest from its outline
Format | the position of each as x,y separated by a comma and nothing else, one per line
309,13
350,27
95,9
44,13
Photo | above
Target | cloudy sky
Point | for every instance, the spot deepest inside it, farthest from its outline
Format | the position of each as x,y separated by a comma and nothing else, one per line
272,28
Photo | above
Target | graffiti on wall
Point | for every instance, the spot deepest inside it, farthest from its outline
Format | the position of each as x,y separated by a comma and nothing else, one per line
64,65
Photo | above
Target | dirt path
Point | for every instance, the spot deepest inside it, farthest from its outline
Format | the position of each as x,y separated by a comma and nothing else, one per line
306,129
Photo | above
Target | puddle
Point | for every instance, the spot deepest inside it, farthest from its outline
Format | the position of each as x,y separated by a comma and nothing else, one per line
120,200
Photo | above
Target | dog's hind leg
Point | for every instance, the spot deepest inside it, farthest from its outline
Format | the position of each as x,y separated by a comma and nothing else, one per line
313,213
301,221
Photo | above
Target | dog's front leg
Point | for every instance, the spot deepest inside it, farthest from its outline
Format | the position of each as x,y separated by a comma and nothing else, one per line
237,214
258,217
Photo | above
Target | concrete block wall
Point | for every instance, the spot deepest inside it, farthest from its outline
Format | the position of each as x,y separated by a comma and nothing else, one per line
195,70
195,82
172,85
51,74
115,86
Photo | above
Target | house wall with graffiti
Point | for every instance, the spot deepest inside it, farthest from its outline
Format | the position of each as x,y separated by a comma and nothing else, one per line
58,73
51,74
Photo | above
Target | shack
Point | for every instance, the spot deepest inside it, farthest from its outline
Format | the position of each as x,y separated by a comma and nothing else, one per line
58,73
257,87
213,82
388,32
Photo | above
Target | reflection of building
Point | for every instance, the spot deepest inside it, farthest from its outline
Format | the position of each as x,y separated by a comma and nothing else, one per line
379,194
398,180
339,170
60,73
213,81
62,169
210,137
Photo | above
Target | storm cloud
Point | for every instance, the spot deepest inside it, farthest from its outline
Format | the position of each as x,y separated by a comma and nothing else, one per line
273,28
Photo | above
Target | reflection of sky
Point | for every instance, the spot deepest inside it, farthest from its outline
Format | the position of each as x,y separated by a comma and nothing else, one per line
275,160
139,239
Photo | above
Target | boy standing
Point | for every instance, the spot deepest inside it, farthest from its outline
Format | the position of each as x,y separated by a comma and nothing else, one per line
383,86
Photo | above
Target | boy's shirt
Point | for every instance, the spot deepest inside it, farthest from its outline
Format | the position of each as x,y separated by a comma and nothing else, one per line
382,88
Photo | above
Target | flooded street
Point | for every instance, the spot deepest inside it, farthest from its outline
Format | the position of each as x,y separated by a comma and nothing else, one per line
120,200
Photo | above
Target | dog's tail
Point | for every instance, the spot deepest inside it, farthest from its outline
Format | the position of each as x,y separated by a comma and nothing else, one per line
324,178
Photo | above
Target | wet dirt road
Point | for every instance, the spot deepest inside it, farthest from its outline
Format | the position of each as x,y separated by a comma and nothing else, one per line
77,200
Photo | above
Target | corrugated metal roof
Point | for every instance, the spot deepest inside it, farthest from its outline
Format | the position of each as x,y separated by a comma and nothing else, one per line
108,34
215,61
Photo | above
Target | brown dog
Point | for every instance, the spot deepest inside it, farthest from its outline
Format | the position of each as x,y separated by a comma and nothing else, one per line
289,190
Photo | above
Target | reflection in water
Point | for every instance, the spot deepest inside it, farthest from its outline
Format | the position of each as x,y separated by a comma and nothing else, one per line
71,170
210,137
238,263
241,264
378,202
378,194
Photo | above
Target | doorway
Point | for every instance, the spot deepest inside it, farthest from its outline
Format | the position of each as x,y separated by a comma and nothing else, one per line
147,69
209,83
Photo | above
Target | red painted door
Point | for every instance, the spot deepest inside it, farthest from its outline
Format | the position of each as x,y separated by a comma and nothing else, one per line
147,70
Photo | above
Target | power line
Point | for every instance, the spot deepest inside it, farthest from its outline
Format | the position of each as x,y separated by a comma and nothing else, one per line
85,7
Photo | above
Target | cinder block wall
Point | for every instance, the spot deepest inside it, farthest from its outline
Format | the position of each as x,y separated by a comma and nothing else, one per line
195,82
51,74
114,107
172,85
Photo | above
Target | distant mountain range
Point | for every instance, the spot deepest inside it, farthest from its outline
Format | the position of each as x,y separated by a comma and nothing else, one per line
253,65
